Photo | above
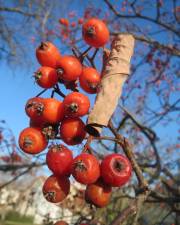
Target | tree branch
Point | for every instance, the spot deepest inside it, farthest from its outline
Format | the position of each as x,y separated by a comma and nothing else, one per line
139,16
17,10
170,49
13,167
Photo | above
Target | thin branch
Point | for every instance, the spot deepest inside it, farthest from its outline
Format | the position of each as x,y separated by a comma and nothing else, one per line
170,49
163,198
42,92
149,132
157,10
17,10
87,147
132,209
151,135
164,218
169,174
13,167
15,178
58,91
139,16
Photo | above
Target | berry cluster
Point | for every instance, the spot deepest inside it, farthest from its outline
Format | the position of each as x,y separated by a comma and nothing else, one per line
53,119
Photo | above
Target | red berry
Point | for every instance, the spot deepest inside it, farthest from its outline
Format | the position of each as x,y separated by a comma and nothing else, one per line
116,170
98,193
47,54
89,80
95,32
73,24
52,110
69,68
80,21
85,168
56,189
46,77
72,131
32,140
76,104
59,160
34,107
45,110
64,22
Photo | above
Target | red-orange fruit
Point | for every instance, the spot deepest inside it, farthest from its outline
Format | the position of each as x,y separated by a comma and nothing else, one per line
76,104
56,189
47,54
95,32
32,140
69,68
89,80
72,131
98,194
46,77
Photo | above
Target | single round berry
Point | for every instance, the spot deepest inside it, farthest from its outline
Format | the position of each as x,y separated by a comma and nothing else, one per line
98,193
68,68
48,54
76,105
116,170
72,131
56,189
46,77
89,80
32,140
59,160
52,111
95,32
34,108
85,168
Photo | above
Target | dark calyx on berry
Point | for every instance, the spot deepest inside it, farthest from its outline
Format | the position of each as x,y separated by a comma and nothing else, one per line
90,32
43,45
50,195
118,165
80,166
73,107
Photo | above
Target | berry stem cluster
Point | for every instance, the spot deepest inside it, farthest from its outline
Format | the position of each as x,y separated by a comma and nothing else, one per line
52,119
